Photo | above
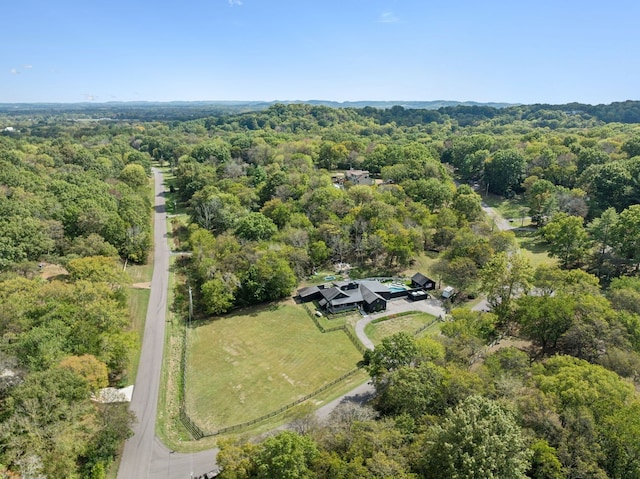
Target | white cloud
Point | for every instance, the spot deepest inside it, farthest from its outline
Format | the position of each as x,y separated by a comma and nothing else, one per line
15,72
27,67
388,17
235,2
90,97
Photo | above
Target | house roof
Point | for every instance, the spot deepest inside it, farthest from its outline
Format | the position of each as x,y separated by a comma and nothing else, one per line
369,296
375,286
355,296
332,294
356,172
421,279
309,291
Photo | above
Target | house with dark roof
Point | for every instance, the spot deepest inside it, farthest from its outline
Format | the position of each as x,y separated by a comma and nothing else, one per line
419,280
370,296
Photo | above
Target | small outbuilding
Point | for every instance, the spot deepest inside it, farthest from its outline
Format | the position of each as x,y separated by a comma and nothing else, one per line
419,280
312,293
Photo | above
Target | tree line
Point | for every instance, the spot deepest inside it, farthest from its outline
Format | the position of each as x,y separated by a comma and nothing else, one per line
75,197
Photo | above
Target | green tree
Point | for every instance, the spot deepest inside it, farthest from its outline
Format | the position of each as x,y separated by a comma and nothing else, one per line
216,151
49,417
413,391
277,211
504,171
237,460
545,463
97,269
92,245
567,238
607,185
255,227
541,199
394,351
602,232
218,294
632,146
268,279
504,277
544,319
469,153
627,236
286,455
477,439
621,447
467,203
134,175
574,383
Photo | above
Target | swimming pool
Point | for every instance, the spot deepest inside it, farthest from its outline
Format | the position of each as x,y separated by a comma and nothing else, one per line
396,289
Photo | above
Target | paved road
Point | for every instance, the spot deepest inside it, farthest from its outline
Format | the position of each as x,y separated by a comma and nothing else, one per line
144,455
500,222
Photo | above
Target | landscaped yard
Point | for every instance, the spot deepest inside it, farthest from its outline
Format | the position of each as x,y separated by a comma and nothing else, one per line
409,323
257,360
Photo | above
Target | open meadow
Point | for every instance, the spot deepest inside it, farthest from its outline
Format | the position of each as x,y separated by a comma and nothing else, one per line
257,360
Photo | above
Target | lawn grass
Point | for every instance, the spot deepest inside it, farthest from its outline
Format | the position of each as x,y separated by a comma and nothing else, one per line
422,263
138,300
513,208
257,360
533,249
409,323
328,321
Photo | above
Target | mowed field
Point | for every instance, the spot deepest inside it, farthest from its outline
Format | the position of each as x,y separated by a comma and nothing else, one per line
409,323
257,360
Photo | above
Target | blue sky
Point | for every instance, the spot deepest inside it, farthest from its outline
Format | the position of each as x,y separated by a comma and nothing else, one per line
518,51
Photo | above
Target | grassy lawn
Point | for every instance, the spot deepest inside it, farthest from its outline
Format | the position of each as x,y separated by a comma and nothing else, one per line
534,249
257,360
138,303
329,321
422,263
509,209
409,323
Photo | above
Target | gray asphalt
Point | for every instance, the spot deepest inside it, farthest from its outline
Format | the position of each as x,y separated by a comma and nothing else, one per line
499,221
144,456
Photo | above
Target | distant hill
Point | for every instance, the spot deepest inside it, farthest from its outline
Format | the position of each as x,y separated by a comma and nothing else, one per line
404,112
229,105
417,105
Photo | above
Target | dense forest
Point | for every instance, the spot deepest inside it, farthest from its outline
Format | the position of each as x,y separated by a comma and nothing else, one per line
269,202
79,201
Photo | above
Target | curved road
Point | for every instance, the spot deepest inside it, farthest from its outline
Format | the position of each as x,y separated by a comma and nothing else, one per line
144,456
